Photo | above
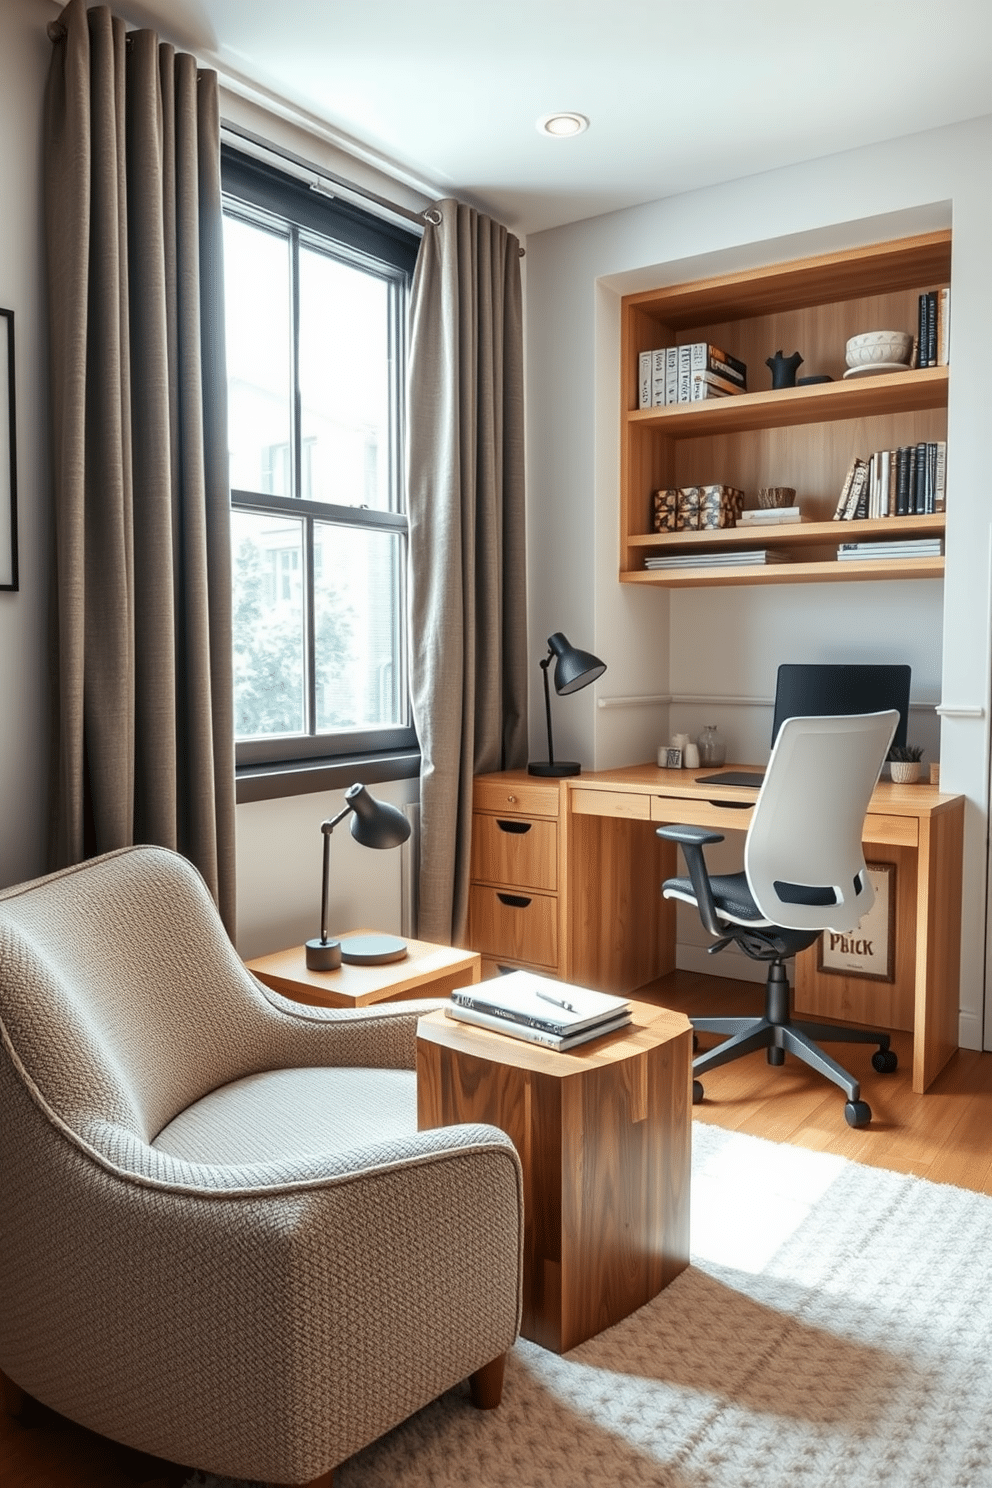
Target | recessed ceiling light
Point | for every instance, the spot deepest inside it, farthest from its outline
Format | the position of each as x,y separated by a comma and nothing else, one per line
562,126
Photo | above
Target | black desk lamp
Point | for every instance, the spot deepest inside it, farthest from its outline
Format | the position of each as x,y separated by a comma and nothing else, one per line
574,669
373,824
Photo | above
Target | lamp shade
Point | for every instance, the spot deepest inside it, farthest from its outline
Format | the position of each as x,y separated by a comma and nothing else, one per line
375,823
574,669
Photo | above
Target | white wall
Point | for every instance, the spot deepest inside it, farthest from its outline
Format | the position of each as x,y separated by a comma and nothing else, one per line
24,55
728,642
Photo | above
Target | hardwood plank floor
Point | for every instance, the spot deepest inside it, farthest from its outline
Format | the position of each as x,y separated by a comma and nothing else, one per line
945,1136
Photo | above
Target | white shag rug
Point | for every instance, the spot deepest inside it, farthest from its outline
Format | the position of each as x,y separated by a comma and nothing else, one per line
833,1330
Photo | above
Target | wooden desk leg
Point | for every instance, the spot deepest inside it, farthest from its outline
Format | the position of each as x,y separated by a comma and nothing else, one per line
938,943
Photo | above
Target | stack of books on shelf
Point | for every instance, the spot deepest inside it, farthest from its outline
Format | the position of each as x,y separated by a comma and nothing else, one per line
688,374
768,516
723,559
933,335
539,1010
907,482
919,547
696,508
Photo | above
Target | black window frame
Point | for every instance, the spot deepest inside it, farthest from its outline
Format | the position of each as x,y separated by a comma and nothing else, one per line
260,194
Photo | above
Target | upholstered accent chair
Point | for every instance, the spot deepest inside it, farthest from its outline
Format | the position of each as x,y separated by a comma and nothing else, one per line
223,1240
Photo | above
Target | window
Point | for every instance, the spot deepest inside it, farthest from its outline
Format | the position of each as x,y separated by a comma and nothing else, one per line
316,293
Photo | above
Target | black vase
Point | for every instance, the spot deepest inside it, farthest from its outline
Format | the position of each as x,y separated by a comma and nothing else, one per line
784,369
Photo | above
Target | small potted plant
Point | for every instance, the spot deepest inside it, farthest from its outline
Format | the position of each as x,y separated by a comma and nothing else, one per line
904,763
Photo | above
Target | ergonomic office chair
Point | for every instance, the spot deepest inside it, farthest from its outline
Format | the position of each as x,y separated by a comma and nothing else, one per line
804,872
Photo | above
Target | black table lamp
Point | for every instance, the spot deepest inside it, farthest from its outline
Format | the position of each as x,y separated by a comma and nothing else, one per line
574,669
373,824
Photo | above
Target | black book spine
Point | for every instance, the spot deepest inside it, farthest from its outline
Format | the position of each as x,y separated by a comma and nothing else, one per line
902,481
921,332
932,329
920,493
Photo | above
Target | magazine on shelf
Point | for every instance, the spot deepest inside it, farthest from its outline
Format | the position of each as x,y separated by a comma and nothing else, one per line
561,1043
553,1007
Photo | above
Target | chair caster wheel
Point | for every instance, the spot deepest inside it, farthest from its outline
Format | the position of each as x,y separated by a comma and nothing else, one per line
857,1113
885,1061
697,1092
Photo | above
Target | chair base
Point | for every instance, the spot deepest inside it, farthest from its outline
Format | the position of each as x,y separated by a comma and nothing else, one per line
779,1034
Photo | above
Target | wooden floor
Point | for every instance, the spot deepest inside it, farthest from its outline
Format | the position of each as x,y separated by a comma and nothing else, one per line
945,1135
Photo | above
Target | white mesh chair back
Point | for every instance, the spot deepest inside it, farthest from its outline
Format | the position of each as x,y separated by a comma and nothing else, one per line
803,857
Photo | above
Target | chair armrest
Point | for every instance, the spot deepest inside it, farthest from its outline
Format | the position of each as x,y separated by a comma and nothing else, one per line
383,1036
692,840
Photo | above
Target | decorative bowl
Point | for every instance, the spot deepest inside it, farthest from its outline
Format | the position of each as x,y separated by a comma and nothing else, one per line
771,496
879,346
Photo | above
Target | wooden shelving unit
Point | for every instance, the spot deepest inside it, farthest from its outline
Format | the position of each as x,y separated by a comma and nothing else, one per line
804,436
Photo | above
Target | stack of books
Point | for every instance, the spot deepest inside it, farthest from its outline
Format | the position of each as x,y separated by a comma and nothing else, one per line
918,547
763,516
726,558
539,1010
906,482
688,374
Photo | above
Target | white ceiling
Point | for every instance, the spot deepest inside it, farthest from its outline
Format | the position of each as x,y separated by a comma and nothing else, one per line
680,93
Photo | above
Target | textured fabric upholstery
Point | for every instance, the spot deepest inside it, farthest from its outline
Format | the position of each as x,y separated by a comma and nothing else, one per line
179,1274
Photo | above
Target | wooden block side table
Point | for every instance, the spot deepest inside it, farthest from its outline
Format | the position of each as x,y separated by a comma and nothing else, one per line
604,1135
426,971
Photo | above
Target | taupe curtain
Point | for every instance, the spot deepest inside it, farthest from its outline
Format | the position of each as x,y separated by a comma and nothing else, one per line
465,474
143,748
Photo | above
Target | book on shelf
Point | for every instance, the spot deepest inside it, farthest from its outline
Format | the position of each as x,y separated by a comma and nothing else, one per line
772,516
669,374
906,482
922,547
845,490
933,328
707,358
540,1010
726,558
645,381
711,385
658,395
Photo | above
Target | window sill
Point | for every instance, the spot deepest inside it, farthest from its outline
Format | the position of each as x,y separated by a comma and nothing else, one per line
307,777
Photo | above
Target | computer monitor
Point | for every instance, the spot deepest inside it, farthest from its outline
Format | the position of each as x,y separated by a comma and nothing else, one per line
824,689
809,689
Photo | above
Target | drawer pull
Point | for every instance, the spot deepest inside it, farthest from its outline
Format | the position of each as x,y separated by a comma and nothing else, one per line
513,901
514,826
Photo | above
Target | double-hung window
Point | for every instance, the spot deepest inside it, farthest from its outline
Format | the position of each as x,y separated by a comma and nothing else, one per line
316,294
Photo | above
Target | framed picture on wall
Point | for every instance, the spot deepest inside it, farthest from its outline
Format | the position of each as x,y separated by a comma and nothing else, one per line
8,455
868,951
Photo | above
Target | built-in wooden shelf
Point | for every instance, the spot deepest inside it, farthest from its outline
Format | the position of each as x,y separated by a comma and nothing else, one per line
857,397
805,436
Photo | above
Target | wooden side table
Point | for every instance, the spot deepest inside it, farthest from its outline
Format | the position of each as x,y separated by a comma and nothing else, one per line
426,971
604,1137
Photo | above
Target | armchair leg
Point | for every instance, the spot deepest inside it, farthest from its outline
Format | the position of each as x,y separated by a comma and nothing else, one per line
486,1384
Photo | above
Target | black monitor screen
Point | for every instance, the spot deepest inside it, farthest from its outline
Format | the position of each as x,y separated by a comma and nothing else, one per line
814,689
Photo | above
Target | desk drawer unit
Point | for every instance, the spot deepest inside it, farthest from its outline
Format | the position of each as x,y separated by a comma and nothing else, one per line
515,850
513,896
510,925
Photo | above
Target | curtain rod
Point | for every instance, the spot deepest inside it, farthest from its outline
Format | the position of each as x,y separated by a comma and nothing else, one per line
429,215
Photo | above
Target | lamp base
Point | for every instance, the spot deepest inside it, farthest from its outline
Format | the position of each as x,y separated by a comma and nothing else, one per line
372,950
323,955
560,767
